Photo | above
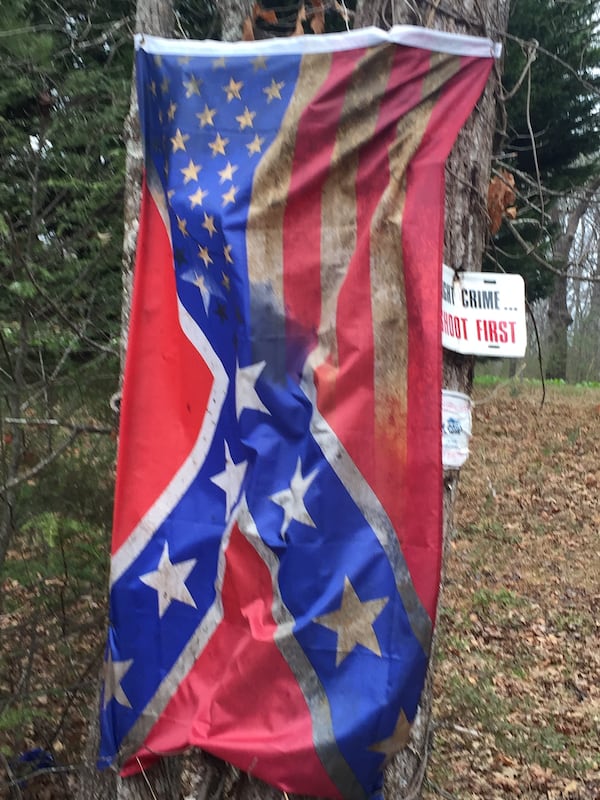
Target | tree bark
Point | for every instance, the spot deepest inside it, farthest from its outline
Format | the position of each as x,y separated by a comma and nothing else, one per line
466,235
559,317
155,17
589,363
232,14
559,320
465,240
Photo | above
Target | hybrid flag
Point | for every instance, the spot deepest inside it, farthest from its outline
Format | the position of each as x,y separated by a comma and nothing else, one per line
277,532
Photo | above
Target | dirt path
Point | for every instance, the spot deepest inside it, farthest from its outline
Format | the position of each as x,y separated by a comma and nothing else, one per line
518,684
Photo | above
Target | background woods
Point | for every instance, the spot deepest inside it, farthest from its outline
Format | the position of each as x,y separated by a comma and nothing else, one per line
63,102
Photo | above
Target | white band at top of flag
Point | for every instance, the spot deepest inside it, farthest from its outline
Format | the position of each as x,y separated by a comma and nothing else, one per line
408,35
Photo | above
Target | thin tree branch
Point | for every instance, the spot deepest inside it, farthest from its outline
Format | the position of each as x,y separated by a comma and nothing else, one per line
56,423
531,57
530,251
534,150
42,464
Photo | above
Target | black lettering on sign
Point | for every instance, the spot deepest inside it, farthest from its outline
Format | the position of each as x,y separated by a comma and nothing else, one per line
480,298
448,292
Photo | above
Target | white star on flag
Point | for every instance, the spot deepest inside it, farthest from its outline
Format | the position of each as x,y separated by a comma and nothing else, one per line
114,672
397,740
169,581
230,480
353,622
200,282
246,395
292,499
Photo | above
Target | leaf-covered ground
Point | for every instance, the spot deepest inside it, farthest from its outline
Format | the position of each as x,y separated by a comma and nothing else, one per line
517,709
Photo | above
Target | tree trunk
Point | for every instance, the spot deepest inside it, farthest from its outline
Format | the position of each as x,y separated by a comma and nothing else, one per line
559,318
466,233
154,17
232,14
591,332
465,240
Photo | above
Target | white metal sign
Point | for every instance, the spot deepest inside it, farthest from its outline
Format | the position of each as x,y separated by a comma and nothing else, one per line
483,313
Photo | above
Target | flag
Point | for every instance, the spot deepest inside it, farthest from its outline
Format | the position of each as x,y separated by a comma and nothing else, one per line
277,529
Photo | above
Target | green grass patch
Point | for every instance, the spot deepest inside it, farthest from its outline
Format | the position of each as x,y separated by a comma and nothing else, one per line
485,599
488,530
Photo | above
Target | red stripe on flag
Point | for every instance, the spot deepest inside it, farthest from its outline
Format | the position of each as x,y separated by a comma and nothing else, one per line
376,454
423,247
346,394
310,170
230,705
166,385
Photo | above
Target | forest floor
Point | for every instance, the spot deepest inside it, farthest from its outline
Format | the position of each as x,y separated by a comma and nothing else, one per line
517,708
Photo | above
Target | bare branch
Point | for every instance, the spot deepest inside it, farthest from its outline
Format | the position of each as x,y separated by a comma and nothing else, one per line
56,423
531,57
530,251
42,464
